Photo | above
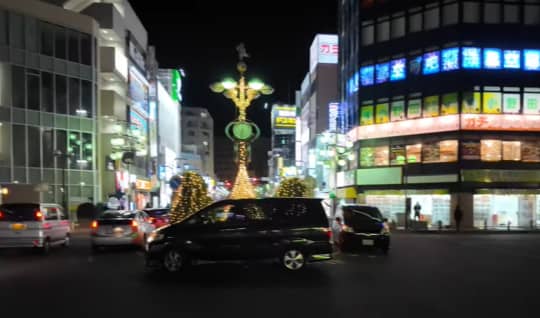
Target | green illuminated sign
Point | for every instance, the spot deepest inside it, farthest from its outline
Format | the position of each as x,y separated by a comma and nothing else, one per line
176,86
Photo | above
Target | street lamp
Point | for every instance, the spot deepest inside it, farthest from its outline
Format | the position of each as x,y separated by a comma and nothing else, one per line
241,131
64,156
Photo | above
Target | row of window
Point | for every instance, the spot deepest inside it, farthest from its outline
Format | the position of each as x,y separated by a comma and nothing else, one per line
446,60
35,147
27,33
492,100
48,92
435,15
489,150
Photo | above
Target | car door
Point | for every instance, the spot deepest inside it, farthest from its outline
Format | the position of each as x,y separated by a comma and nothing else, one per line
217,232
51,223
260,241
65,225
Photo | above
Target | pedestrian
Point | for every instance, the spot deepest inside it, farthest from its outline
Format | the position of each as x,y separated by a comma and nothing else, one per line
417,208
336,231
458,215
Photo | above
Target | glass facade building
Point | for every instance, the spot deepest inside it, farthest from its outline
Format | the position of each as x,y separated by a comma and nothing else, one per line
443,103
47,106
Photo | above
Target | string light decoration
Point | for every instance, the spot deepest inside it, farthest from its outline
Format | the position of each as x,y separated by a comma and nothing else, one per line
242,93
292,188
190,197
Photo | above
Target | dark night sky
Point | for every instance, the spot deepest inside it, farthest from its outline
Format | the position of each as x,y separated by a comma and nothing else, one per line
201,36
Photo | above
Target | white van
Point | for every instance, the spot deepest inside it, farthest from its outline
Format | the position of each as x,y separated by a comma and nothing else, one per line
33,225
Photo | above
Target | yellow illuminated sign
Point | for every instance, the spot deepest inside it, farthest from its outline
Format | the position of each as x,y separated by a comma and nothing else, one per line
285,122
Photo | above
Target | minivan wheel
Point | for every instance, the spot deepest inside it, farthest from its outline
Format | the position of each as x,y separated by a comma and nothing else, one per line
46,248
173,261
293,260
67,241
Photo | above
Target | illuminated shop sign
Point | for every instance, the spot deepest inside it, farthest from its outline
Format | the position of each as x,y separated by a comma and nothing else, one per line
333,113
492,59
512,59
138,91
382,73
471,57
367,73
397,70
500,122
450,59
284,116
431,63
532,60
324,49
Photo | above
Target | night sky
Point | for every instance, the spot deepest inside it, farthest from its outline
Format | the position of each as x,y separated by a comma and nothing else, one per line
201,36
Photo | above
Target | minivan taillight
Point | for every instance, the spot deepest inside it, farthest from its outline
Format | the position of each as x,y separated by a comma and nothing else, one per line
134,226
94,226
38,215
328,232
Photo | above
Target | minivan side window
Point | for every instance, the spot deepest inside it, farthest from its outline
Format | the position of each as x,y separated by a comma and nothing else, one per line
226,214
255,212
51,213
291,213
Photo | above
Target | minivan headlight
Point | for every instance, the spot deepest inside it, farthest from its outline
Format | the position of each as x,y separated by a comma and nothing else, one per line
154,237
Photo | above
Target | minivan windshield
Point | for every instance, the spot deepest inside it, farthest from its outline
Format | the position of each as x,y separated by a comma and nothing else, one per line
157,213
369,211
18,212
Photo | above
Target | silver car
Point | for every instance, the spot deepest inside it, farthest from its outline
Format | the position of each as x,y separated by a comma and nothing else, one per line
120,228
33,225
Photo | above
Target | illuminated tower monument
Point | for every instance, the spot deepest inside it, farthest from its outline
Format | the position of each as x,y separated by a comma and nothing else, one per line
241,131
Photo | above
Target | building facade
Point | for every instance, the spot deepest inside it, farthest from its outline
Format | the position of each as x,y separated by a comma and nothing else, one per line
316,99
282,159
442,100
49,89
198,137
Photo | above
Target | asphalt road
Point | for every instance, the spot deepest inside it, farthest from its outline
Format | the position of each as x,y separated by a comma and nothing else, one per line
425,275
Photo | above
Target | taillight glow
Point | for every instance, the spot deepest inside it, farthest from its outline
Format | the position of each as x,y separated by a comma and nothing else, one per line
328,233
39,215
1,214
134,224
94,225
151,220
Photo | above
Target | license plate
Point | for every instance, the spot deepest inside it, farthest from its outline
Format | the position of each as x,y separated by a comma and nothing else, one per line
18,227
368,242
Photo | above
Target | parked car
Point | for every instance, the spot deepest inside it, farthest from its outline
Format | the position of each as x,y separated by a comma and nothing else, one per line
363,226
120,228
33,225
158,217
293,231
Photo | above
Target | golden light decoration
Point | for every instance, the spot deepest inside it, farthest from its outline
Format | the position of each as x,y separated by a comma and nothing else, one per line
242,93
292,188
190,197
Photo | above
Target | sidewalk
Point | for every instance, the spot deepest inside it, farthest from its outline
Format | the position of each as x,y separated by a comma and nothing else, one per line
467,231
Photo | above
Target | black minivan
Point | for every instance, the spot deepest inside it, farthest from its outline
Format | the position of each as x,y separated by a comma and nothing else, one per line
294,231
363,226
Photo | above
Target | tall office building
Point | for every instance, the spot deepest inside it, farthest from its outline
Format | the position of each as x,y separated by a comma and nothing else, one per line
443,102
198,139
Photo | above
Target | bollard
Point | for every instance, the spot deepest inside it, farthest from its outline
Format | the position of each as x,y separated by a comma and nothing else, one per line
485,224
508,225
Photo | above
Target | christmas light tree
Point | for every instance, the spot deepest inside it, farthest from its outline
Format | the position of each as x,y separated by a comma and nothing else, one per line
242,189
190,197
292,188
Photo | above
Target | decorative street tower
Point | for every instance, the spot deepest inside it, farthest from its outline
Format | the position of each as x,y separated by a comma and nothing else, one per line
241,131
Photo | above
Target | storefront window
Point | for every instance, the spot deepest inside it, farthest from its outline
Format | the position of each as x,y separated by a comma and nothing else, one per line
382,114
530,151
414,153
381,156
470,103
497,211
367,158
449,104
431,106
492,103
366,115
511,150
490,150
398,110
397,155
431,152
448,150
470,150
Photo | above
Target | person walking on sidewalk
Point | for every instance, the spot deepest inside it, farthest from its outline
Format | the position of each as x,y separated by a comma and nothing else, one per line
458,215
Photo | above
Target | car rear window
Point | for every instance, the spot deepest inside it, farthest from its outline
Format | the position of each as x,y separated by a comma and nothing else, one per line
18,212
298,212
157,213
365,210
108,215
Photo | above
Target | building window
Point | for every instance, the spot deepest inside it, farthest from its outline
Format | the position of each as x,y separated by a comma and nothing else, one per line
86,49
60,43
74,96
47,39
397,155
34,156
450,14
61,94
414,153
32,89
75,149
18,84
191,133
415,22
16,31
511,150
471,12
490,150
73,46
48,148
47,92
367,34
529,151
19,145
31,35
532,14
448,150
511,13
5,144
86,98
492,13
383,31
431,18
87,151
381,156
398,27
3,28
61,145
431,152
